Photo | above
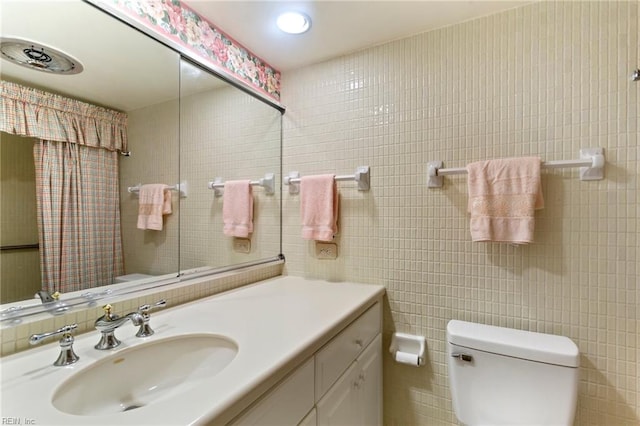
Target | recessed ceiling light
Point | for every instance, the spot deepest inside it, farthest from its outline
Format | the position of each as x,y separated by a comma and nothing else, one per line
294,22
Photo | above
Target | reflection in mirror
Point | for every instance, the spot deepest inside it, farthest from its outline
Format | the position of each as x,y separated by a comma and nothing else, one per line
224,131
154,144
227,134
117,64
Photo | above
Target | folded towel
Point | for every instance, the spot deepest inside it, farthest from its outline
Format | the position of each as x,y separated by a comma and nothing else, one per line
155,201
237,208
503,195
319,207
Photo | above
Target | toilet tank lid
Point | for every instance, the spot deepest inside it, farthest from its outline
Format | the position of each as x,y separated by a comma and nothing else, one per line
548,348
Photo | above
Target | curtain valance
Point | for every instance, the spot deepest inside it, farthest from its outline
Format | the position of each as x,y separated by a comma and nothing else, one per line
26,111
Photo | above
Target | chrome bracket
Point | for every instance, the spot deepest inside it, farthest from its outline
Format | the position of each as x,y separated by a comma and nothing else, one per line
462,357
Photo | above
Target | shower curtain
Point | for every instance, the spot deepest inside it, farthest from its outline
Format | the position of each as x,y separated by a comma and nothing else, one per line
78,215
77,192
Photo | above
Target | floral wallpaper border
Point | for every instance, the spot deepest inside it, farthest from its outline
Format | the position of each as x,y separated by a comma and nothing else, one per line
182,25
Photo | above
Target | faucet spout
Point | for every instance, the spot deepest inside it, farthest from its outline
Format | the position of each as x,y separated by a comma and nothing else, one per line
108,323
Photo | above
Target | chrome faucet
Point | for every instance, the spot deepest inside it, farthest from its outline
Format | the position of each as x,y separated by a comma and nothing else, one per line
108,323
52,302
67,355
146,330
47,297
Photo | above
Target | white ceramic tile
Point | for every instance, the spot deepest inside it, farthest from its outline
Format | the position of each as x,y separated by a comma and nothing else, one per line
544,79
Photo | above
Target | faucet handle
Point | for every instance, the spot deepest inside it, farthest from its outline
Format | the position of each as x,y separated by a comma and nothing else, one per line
145,329
145,309
107,311
108,316
67,355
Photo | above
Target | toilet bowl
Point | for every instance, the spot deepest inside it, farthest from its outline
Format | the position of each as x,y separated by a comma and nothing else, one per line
502,376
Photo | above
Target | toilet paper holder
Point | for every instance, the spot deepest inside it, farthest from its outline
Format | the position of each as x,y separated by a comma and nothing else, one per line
408,348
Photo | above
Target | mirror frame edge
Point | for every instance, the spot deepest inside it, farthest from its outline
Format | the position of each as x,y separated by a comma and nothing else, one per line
218,71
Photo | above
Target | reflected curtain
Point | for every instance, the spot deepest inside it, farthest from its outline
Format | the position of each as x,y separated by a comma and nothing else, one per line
76,183
78,215
26,111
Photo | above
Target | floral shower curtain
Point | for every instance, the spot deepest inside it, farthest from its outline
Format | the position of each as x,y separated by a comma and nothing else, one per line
76,183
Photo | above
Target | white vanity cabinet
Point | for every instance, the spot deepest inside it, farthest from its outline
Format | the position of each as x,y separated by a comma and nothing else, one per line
349,374
286,403
301,348
370,386
340,385
336,356
356,398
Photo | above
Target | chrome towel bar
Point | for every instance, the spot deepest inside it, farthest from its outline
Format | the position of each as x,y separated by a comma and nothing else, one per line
362,176
591,165
268,182
180,187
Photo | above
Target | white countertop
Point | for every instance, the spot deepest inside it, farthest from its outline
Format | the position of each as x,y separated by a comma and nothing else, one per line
276,323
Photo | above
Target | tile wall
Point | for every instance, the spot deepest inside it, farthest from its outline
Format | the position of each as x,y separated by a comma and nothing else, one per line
15,338
229,134
223,132
543,79
153,141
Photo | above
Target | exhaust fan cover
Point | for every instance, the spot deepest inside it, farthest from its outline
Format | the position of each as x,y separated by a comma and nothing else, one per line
38,57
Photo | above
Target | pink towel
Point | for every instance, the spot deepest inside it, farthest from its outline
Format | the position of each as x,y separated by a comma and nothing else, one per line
237,208
503,195
319,207
155,201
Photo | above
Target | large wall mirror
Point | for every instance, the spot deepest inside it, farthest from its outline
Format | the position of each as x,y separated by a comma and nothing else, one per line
185,127
226,135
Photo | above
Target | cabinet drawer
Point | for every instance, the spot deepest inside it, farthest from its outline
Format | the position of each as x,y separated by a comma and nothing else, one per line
356,397
338,407
286,404
334,358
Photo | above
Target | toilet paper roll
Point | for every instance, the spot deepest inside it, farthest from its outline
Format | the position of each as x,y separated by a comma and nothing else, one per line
407,358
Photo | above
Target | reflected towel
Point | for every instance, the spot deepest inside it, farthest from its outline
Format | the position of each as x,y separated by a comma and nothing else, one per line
155,201
237,208
319,207
503,195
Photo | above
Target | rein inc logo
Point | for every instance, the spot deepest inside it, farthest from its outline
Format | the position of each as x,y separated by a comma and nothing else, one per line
17,421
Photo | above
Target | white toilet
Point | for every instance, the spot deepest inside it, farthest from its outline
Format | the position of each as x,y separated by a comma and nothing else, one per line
501,376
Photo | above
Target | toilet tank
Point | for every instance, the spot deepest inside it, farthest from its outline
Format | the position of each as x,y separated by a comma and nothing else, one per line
502,376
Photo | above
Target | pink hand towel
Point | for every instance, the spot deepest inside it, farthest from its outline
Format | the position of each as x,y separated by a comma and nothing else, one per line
319,207
155,201
237,208
503,195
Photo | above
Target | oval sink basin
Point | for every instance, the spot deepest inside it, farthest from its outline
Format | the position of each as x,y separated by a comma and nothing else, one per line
144,374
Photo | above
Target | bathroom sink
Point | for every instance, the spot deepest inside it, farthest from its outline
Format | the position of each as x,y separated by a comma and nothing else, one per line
143,375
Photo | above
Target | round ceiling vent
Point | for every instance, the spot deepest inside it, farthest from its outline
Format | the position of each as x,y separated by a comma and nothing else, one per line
38,57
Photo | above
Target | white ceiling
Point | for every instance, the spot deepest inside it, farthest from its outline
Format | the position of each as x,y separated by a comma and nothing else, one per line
123,69
338,27
126,70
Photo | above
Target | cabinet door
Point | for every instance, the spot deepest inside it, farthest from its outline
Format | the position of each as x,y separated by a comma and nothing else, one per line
370,379
285,404
339,404
356,398
337,355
